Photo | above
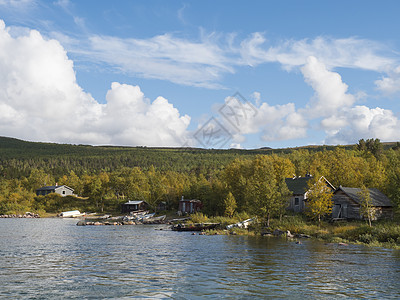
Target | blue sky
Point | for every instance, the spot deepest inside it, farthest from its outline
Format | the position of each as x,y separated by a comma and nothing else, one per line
215,74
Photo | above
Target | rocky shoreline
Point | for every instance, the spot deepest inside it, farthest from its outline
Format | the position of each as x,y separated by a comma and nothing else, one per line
116,222
27,215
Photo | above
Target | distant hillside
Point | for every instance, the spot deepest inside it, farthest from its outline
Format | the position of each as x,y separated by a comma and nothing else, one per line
17,157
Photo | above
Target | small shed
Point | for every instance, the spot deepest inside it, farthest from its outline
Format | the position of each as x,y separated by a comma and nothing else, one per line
189,206
62,190
299,188
347,203
134,206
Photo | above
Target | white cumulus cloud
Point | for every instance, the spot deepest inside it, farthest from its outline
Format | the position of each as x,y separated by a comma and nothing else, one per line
359,122
342,121
390,84
275,122
330,91
40,100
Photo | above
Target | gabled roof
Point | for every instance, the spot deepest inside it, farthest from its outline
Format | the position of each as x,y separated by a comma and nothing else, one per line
377,197
130,202
54,187
299,185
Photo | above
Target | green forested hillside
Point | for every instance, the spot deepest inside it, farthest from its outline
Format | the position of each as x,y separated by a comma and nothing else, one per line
18,157
254,179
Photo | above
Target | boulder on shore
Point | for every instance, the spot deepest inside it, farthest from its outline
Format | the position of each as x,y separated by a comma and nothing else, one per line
278,232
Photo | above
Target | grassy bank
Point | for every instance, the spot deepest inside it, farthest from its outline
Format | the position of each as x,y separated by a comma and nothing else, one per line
381,234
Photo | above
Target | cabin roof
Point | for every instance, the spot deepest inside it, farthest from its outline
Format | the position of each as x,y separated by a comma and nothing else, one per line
377,197
299,185
190,200
54,187
134,202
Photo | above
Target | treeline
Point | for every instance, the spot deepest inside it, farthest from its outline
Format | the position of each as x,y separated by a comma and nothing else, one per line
18,158
235,183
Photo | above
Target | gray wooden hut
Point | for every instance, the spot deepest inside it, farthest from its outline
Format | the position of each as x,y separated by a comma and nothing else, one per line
299,188
134,206
347,203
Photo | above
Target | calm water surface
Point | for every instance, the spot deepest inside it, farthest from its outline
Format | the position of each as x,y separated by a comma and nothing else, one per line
54,258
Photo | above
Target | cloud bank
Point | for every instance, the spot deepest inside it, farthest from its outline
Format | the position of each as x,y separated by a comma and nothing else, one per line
332,108
40,100
342,120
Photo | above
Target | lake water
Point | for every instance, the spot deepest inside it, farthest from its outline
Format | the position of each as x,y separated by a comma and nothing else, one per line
54,258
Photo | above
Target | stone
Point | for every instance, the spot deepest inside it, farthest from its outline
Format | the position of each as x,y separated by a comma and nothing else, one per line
278,232
81,223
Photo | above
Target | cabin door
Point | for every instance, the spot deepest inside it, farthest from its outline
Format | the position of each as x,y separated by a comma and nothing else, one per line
344,211
336,211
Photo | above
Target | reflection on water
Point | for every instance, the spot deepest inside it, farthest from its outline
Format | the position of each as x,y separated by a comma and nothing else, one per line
50,258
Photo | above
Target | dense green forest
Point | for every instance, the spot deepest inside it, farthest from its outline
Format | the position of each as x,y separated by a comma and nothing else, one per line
226,181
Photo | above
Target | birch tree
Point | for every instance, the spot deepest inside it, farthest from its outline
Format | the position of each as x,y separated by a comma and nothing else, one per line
319,200
367,210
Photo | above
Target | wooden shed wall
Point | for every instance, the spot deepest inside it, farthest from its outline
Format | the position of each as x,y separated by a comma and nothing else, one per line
353,209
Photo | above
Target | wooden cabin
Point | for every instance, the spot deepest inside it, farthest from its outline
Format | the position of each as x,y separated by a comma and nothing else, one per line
187,206
62,190
299,188
134,206
347,203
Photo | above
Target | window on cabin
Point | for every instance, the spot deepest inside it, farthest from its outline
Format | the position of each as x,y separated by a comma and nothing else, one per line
63,192
296,201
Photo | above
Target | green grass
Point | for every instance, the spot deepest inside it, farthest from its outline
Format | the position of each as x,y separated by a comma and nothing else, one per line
381,234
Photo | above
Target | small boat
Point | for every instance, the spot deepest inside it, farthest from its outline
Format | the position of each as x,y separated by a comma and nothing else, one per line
72,214
142,218
195,227
242,224
154,220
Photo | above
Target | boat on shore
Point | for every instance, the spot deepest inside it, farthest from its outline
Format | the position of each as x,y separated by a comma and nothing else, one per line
195,226
154,220
71,214
242,224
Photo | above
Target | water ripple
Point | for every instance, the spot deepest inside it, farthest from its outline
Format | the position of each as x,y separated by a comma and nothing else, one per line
53,258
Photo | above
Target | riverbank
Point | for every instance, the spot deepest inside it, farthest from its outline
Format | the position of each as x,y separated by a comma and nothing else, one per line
381,234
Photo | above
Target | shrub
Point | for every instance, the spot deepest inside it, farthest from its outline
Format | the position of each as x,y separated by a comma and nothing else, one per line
199,218
354,234
366,238
341,230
